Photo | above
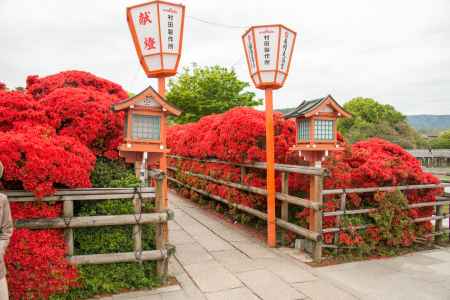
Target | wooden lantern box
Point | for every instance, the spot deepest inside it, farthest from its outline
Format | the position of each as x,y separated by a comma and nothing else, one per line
145,125
316,127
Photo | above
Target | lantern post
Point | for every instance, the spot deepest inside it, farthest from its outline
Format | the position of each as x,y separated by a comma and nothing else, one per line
268,51
157,31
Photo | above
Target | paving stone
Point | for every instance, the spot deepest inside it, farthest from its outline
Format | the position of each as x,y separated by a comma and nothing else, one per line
322,290
211,277
235,261
438,254
403,287
212,242
364,278
179,237
254,250
233,235
175,267
285,269
173,226
441,269
242,293
191,253
268,286
189,288
178,295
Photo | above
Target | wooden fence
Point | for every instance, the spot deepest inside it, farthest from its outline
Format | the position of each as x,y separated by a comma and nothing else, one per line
438,215
137,195
315,232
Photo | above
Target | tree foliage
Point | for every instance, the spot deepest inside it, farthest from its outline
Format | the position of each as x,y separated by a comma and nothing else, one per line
373,119
203,91
442,141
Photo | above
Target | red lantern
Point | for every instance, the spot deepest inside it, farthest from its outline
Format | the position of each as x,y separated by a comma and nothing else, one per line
157,31
268,49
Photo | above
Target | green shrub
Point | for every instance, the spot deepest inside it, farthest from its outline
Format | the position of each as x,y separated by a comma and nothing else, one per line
111,278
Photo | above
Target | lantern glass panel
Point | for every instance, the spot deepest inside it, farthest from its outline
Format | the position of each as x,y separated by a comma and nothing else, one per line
323,130
303,130
146,127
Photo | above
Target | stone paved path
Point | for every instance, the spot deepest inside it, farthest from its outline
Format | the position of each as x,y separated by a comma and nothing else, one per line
215,260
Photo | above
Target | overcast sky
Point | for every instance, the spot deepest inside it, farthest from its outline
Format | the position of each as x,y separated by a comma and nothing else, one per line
397,52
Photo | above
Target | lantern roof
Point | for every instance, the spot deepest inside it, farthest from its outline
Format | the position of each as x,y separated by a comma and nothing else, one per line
311,107
149,92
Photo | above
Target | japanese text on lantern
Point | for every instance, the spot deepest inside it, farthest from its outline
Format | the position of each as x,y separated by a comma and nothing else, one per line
284,51
266,49
149,43
144,18
252,56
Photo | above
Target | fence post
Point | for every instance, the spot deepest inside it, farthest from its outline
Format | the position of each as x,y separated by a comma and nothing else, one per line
137,229
438,224
68,232
342,206
243,174
284,204
316,187
161,231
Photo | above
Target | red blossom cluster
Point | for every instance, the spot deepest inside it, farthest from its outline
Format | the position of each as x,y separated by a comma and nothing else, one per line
36,265
87,116
40,87
239,136
50,134
37,159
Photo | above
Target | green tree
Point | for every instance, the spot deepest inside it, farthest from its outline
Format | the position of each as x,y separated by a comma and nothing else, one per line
442,141
373,119
203,91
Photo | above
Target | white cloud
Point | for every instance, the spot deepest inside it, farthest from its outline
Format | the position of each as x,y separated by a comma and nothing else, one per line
393,51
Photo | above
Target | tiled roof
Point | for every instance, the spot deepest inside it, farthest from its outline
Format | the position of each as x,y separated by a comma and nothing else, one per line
304,107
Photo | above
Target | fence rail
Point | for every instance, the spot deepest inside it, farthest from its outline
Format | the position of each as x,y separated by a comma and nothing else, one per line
315,232
137,195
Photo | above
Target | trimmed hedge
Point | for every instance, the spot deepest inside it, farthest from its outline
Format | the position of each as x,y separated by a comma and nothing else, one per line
118,277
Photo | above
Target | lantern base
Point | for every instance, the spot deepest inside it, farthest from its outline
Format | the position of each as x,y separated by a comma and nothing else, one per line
131,157
316,147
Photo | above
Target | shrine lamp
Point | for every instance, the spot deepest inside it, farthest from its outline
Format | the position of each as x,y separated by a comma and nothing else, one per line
157,31
268,50
145,125
316,127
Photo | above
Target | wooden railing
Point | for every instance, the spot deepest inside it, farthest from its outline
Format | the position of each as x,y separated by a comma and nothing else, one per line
314,233
137,195
437,216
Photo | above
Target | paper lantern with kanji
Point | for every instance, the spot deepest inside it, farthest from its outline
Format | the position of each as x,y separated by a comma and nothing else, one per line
268,49
157,31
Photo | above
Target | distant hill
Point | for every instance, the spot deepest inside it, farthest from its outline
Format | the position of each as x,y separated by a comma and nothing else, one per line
426,123
423,123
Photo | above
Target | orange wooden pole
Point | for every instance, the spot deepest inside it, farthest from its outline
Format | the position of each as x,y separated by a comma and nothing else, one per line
163,159
270,157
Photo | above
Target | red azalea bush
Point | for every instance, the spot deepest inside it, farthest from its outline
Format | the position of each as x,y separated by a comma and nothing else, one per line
38,160
40,87
239,136
35,259
18,107
87,116
36,264
45,132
